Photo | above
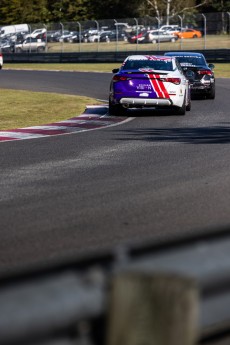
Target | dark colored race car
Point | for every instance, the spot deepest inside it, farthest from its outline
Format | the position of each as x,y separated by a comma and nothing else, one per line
198,71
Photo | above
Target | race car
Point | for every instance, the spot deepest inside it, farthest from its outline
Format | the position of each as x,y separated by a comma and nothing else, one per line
198,71
149,81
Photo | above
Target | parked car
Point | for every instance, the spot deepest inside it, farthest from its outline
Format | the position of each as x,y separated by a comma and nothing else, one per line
198,71
19,37
167,28
75,37
97,36
53,36
30,45
87,33
64,35
188,33
38,33
155,36
134,37
113,36
174,30
148,81
6,45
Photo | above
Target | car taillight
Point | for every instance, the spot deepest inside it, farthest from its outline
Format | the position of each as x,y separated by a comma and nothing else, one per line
204,72
119,78
172,80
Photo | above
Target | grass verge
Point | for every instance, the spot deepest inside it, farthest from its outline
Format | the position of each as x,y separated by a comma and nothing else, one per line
26,108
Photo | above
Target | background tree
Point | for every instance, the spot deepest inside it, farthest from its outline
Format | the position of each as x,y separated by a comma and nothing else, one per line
170,8
68,10
23,11
44,11
113,9
221,6
217,5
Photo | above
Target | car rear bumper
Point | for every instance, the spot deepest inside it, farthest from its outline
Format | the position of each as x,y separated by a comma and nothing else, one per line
145,102
201,88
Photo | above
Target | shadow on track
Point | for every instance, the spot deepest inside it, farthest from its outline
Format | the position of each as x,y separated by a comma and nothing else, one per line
190,135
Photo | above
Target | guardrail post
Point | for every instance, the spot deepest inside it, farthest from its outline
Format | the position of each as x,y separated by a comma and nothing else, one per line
153,309
181,26
158,28
205,29
62,33
137,32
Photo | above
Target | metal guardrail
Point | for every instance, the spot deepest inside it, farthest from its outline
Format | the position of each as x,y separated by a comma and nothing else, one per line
167,294
212,55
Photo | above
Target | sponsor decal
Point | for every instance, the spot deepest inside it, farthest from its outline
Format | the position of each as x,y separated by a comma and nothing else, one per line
144,87
144,94
146,70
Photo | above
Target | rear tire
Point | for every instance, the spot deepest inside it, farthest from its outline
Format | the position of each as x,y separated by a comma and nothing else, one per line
189,105
180,110
212,93
40,49
116,109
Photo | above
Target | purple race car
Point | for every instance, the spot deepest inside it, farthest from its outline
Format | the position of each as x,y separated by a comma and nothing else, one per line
148,81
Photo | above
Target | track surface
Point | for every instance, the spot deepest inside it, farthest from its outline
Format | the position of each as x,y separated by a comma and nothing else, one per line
156,177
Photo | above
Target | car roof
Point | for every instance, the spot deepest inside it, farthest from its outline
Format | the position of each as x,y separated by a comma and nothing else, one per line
146,57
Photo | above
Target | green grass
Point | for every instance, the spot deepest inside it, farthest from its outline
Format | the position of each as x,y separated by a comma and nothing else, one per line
222,70
26,108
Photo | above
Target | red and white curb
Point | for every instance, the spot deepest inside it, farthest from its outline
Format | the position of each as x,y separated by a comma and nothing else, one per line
94,117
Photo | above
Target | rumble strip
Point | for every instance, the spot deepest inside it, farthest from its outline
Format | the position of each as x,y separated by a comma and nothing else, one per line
94,117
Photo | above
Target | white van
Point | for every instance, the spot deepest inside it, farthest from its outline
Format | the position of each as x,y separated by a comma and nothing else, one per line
13,29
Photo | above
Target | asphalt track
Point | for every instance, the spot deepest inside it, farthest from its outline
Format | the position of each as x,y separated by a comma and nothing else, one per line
156,177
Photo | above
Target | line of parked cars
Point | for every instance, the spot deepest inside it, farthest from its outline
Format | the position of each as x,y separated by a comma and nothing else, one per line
162,82
152,36
36,41
24,41
166,33
86,36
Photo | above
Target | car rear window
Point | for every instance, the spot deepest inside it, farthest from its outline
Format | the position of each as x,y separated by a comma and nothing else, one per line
191,60
164,65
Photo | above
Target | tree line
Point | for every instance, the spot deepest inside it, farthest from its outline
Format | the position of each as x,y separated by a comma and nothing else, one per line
46,11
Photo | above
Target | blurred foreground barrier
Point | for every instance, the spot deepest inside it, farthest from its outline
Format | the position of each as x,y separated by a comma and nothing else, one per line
137,294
